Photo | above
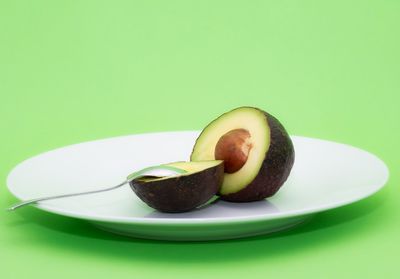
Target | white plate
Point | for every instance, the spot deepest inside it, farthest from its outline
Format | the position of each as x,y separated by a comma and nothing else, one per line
325,175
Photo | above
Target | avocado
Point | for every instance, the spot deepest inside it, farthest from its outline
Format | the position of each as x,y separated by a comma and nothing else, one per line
257,151
182,192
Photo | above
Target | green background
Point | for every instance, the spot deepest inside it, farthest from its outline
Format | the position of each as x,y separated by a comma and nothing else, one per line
73,71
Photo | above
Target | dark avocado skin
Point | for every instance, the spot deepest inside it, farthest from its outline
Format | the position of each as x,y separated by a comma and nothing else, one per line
182,193
274,170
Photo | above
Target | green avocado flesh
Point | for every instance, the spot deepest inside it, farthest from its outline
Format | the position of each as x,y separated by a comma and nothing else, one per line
188,168
182,192
258,153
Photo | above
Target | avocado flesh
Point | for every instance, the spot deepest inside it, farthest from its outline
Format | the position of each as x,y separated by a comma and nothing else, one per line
181,192
189,168
269,160
192,167
243,118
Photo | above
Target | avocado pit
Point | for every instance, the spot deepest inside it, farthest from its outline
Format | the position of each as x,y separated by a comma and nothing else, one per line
233,148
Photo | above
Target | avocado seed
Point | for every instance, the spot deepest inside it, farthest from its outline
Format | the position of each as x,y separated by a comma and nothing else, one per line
233,148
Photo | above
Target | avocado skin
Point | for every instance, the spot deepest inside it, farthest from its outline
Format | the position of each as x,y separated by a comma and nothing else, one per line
274,170
181,193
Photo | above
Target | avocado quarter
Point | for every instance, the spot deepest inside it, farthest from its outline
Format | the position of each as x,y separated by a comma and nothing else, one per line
182,192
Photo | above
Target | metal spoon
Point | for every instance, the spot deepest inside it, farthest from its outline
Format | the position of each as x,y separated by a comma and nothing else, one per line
155,171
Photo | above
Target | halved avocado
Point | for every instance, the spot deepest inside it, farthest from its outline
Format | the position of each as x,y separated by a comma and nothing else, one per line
257,151
182,192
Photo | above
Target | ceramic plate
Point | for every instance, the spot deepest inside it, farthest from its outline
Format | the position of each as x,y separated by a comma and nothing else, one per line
325,175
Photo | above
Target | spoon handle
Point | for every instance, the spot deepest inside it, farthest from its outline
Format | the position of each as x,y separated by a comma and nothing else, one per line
155,171
32,201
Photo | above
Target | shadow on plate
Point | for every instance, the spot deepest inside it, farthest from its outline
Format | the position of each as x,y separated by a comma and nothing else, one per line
325,228
222,209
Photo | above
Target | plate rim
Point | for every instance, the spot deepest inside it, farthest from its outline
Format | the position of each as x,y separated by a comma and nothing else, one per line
201,221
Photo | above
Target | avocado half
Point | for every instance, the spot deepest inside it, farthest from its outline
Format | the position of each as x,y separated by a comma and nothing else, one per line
257,151
182,192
